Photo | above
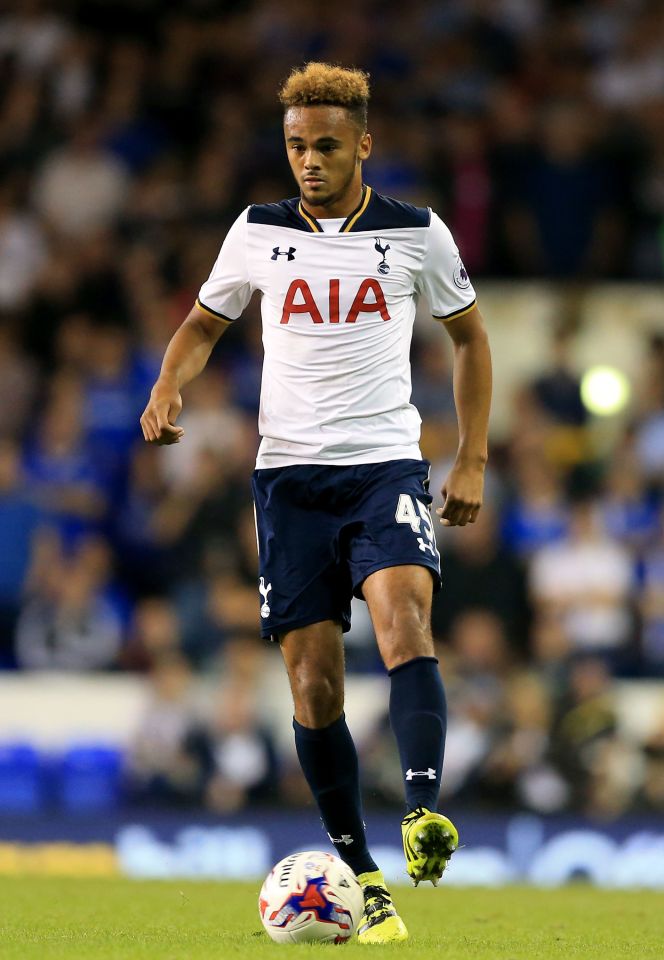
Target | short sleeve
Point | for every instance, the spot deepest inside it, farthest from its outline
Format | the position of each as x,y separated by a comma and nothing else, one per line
228,289
444,280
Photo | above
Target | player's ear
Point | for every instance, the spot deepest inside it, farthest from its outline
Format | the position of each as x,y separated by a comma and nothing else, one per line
364,146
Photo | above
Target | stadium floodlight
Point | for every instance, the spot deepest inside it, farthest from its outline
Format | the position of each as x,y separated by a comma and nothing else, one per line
605,390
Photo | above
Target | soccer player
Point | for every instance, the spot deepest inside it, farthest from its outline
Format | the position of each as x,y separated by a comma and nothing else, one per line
340,488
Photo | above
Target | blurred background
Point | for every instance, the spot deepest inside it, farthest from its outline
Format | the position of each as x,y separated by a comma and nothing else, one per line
144,726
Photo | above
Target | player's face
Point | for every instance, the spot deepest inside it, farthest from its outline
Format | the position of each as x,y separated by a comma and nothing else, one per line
325,150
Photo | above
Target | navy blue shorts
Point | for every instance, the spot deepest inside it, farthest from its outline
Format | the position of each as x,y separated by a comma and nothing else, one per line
323,529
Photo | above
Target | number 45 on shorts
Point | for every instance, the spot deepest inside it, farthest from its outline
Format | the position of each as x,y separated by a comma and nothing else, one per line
417,517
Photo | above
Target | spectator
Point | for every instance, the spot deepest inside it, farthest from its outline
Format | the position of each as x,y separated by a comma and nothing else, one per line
566,174
649,439
584,582
158,767
234,752
517,771
60,472
651,795
19,522
635,74
33,35
112,402
651,606
536,515
22,250
154,633
463,178
212,427
81,188
629,510
142,545
480,574
18,385
474,677
585,724
71,619
558,390
432,388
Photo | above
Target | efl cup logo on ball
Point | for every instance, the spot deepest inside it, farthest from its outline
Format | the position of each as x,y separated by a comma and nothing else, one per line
311,897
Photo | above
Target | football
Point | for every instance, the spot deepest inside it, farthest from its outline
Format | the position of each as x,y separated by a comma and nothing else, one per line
311,897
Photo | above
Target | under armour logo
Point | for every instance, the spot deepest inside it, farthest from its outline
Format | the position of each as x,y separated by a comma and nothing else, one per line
290,253
430,774
426,546
263,590
383,266
344,838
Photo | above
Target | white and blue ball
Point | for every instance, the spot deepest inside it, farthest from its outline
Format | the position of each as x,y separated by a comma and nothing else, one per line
311,897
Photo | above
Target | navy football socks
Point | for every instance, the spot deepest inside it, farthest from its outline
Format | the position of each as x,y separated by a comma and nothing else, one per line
418,715
329,762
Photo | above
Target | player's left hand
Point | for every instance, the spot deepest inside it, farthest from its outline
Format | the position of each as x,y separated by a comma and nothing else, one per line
462,495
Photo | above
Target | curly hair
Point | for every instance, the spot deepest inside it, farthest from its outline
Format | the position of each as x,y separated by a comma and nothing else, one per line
330,85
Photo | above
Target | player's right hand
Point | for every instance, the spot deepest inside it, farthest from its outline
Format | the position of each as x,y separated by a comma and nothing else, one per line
158,419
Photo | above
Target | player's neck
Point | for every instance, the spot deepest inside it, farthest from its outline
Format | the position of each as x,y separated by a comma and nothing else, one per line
343,207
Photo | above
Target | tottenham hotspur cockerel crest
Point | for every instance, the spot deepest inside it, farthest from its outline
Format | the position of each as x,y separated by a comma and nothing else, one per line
264,590
383,267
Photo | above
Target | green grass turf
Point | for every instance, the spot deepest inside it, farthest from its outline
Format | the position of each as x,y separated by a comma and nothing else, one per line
51,918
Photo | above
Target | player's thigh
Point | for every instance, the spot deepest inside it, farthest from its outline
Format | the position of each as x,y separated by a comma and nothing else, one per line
399,601
393,557
392,525
314,659
301,580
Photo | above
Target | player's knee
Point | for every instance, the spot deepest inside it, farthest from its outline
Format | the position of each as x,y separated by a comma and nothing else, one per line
318,698
404,634
407,619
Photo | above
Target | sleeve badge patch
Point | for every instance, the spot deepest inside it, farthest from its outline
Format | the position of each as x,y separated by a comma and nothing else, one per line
461,278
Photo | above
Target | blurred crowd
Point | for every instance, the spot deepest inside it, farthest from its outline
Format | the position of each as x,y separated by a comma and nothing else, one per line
131,135
534,127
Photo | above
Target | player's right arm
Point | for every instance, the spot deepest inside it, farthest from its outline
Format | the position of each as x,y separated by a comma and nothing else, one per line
223,297
185,357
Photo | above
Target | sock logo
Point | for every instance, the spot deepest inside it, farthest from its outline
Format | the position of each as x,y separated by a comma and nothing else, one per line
430,774
344,838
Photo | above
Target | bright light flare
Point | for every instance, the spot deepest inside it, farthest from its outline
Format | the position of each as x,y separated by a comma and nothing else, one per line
605,390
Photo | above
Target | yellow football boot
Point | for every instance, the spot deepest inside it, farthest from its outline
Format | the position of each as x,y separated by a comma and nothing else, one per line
429,840
380,921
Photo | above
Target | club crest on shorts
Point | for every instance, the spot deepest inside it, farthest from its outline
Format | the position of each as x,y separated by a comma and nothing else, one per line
264,590
383,267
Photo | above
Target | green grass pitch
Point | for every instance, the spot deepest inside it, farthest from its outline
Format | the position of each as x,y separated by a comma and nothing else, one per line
67,919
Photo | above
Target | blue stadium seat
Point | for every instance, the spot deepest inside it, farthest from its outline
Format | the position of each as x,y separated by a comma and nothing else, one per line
89,778
21,779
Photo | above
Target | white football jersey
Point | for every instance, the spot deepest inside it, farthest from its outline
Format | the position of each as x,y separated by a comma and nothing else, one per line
338,310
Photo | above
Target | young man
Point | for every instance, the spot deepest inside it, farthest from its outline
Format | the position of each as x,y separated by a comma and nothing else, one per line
341,489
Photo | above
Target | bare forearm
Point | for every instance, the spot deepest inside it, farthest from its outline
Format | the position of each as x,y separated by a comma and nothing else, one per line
472,396
185,357
189,349
463,488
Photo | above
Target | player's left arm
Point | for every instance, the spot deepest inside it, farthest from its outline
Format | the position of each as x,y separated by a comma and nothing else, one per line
463,489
